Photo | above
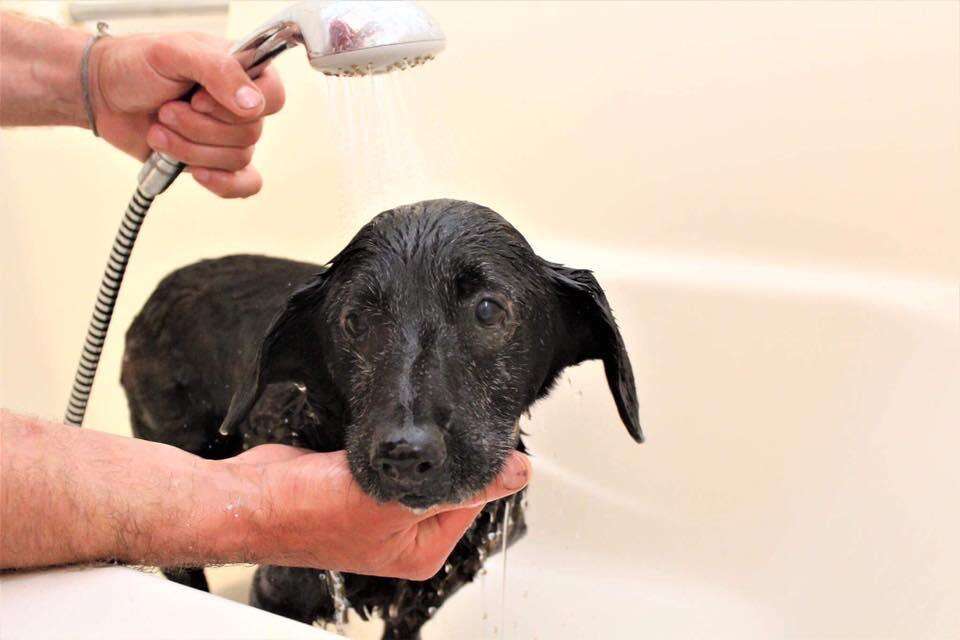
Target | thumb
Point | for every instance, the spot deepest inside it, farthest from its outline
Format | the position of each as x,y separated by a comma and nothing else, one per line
512,478
183,58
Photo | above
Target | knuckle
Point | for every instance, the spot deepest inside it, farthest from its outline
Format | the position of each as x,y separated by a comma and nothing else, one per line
423,568
410,572
225,188
250,134
255,185
225,66
218,189
158,52
279,99
245,157
179,148
186,122
234,160
404,565
426,572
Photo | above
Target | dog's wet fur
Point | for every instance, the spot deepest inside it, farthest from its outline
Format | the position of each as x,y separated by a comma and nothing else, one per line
416,349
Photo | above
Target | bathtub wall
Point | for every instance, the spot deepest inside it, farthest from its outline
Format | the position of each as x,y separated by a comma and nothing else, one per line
813,133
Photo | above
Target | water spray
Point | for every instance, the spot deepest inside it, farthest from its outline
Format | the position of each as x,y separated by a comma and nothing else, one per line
341,38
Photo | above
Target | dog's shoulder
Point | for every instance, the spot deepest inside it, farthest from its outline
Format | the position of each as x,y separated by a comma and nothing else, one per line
214,294
236,271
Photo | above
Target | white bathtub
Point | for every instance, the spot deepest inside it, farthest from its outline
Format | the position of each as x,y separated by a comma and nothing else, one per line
798,480
799,475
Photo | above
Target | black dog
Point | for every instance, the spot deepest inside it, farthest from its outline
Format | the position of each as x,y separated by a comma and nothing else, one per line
416,349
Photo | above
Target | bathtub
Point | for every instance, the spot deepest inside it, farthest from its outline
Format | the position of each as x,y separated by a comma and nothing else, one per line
801,410
798,479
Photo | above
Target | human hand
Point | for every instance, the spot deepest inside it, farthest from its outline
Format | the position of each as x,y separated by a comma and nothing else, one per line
136,82
78,495
313,514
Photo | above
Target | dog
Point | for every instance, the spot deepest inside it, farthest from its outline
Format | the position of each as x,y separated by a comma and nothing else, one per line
416,349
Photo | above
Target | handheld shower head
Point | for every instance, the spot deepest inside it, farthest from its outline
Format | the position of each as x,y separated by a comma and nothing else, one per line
342,38
354,38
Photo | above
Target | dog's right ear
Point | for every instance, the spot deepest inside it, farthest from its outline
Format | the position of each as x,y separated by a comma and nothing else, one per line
289,348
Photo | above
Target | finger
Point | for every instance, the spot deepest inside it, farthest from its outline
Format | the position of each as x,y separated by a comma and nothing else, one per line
227,184
160,138
514,477
435,539
269,84
203,129
185,58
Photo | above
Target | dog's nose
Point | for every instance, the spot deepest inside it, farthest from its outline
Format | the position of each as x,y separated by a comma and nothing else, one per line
410,456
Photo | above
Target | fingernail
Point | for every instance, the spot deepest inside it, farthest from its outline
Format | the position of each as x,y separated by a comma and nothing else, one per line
247,97
200,174
156,138
515,475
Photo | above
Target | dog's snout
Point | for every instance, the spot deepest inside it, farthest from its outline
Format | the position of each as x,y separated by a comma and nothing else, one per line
410,456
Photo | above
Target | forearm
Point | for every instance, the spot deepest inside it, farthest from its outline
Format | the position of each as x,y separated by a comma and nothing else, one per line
40,78
75,495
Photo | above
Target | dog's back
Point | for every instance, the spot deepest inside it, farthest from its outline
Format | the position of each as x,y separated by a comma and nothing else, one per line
186,349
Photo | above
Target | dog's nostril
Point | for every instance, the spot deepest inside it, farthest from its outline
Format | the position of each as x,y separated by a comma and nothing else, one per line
409,457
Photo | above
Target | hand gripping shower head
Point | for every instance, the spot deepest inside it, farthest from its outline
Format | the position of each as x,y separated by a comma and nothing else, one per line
345,38
342,38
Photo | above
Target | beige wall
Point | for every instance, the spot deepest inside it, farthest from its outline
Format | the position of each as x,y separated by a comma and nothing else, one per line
823,134
770,194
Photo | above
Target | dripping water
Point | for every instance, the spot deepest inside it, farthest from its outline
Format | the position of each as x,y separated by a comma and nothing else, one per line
339,595
507,506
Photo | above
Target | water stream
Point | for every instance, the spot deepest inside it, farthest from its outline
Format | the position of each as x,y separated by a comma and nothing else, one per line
378,160
507,506
340,602
380,165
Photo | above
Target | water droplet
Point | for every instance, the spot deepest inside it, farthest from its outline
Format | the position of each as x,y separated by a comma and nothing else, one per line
340,602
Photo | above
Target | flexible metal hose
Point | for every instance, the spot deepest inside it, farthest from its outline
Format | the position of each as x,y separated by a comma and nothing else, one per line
157,173
103,308
160,170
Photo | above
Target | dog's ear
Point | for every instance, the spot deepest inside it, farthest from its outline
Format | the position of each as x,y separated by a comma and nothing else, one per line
289,347
588,331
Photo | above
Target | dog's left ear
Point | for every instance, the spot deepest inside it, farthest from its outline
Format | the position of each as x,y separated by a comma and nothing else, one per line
289,345
588,331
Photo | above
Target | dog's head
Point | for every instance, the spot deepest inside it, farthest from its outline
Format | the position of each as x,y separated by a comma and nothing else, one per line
436,328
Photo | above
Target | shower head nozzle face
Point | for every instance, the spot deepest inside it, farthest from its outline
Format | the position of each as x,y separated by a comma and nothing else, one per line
348,38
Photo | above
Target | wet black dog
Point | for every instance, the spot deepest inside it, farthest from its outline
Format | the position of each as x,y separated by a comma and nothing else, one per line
416,349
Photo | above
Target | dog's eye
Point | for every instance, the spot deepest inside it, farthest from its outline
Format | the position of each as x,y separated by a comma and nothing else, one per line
489,312
354,324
